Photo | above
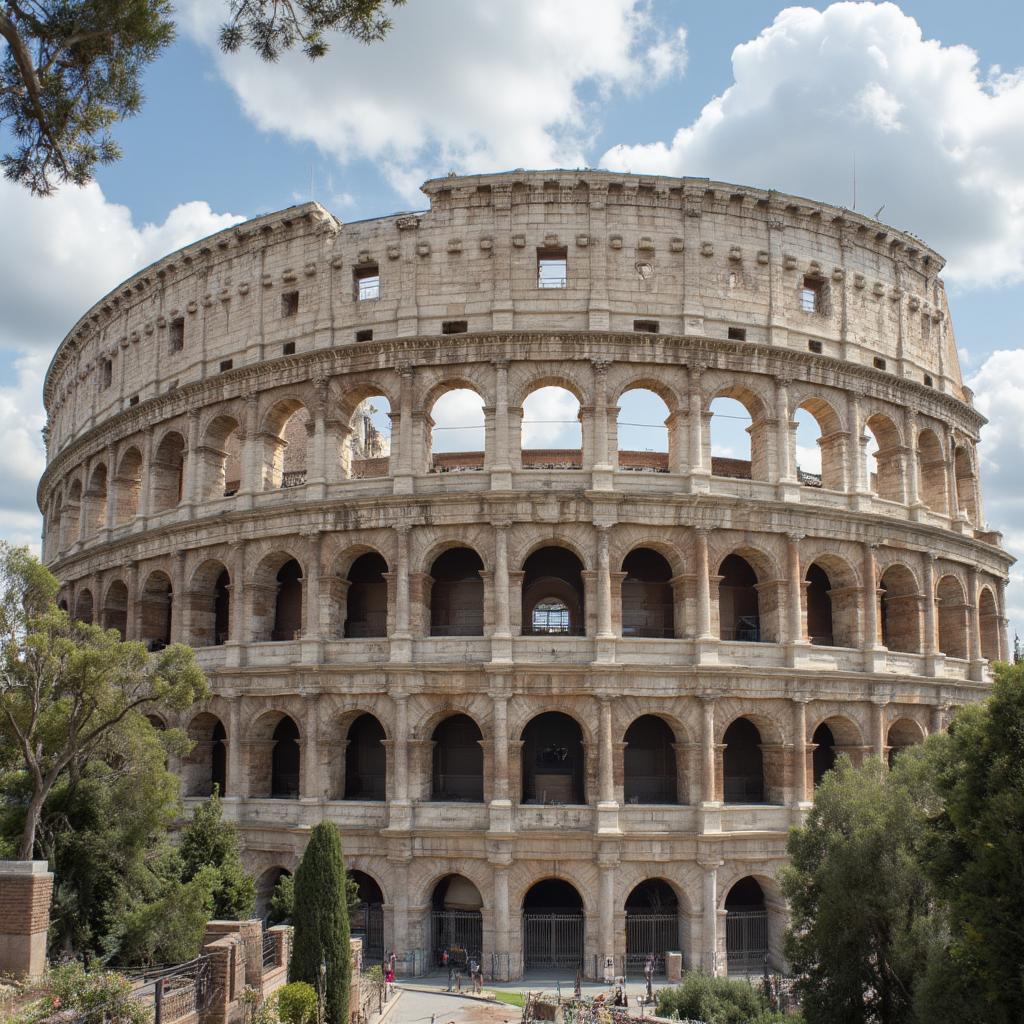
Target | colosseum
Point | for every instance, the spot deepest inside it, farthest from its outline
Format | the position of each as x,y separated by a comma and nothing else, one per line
562,702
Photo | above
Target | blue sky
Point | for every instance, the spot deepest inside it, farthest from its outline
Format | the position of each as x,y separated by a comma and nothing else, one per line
928,96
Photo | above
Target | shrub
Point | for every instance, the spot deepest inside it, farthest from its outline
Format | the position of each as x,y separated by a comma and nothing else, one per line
716,1001
296,1003
94,997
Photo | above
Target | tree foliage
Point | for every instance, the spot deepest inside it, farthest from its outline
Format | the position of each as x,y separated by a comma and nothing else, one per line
209,842
320,920
86,997
717,1001
70,693
72,69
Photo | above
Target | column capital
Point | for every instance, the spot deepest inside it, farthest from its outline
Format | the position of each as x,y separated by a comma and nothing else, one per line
710,863
795,537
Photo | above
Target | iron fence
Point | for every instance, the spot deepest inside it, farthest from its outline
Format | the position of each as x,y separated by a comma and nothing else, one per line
552,939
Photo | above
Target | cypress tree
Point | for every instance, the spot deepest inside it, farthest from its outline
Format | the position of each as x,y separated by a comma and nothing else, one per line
320,920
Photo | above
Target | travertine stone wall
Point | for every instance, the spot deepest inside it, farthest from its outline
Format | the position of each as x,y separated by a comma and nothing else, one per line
219,478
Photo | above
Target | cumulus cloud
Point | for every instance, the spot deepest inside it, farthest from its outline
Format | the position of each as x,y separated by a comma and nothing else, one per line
71,249
463,85
551,419
935,138
458,422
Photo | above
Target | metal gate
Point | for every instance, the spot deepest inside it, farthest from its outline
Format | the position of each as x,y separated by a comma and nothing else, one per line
648,933
368,924
456,930
552,940
746,938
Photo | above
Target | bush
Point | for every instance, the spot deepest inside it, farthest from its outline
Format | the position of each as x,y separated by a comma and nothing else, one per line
87,998
296,1003
716,1001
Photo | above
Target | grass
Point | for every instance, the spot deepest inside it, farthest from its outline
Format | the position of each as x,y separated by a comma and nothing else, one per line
512,998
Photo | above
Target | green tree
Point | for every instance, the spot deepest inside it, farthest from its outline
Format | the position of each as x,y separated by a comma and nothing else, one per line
320,920
71,694
975,855
282,900
864,923
208,841
72,68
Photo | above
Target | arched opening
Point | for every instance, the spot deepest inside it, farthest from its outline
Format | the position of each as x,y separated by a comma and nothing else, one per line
824,756
953,611
206,765
900,610
286,438
991,627
553,594
457,432
366,608
642,432
884,462
167,473
809,451
652,923
456,921
743,764
71,518
746,926
220,464
368,452
222,608
157,610
819,606
730,436
647,601
127,484
552,434
931,469
288,602
458,761
739,613
83,606
552,925
966,484
96,501
210,605
285,761
365,760
115,608
649,763
903,733
266,883
553,767
457,594
367,922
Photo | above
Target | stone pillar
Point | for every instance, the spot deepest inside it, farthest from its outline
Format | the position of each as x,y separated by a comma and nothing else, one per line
707,752
703,583
179,602
404,471
312,598
502,918
799,751
110,509
709,925
252,448
973,625
874,651
794,590
500,786
25,890
501,459
931,644
190,488
951,489
938,722
878,744
402,628
235,785
784,433
698,463
604,586
131,626
400,815
607,914
311,788
607,805
602,466
316,465
501,640
857,446
910,481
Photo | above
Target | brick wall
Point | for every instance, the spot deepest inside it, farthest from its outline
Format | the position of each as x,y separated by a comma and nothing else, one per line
25,891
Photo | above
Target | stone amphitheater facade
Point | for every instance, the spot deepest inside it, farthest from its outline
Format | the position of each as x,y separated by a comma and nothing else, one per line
716,631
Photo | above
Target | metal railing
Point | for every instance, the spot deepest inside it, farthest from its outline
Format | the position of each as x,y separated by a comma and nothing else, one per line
293,478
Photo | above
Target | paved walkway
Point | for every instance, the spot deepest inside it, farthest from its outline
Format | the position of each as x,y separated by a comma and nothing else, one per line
430,1007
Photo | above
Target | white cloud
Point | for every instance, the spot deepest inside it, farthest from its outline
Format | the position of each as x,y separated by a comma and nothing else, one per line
458,421
463,85
551,419
935,139
70,250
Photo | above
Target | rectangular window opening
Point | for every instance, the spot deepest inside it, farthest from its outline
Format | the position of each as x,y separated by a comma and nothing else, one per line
290,304
366,282
879,363
226,364
552,267
108,373
810,295
177,334
737,334
928,381
288,348
815,346
365,335
454,326
645,326
134,400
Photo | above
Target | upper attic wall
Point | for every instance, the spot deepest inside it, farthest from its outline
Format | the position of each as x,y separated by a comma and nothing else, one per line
701,258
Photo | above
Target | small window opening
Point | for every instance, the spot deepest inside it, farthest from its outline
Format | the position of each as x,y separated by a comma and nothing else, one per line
367,282
226,364
879,363
134,400
815,346
366,335
289,304
810,295
552,267
288,348
454,326
737,334
177,334
645,326
108,373
928,381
